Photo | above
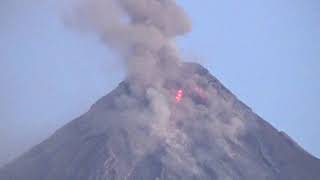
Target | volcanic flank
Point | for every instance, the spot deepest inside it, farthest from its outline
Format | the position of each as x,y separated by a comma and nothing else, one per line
126,135
167,121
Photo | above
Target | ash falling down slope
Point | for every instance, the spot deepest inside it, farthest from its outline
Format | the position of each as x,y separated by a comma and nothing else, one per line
198,132
167,121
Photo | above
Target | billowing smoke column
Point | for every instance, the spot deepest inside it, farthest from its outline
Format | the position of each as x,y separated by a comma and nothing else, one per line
140,31
173,97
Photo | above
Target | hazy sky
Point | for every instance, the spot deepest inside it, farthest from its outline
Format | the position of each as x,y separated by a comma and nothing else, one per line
267,52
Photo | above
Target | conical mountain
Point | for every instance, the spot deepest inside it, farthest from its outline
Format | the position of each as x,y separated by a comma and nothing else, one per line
197,130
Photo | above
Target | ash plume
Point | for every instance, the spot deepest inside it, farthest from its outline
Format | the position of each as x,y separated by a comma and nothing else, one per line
166,120
141,32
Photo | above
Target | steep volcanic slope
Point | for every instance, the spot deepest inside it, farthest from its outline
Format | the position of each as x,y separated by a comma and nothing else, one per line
205,134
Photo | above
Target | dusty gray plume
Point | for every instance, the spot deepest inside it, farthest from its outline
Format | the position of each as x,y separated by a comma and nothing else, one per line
167,121
142,32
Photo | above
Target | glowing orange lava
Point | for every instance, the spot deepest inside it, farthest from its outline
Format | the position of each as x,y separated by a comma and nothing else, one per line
179,95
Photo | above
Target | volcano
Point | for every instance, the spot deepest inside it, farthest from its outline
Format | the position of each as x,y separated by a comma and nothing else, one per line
202,133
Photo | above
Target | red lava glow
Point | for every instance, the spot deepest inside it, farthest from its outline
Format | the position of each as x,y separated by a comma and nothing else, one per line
179,95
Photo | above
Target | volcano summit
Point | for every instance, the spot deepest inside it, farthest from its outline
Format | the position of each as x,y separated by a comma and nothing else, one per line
167,121
135,134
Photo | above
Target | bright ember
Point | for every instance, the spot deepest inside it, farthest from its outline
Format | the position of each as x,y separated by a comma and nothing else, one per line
179,95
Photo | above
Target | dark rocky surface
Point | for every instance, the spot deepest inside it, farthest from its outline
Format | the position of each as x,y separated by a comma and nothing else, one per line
209,136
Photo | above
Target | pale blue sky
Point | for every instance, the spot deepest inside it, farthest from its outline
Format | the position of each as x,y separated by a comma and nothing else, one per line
267,52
